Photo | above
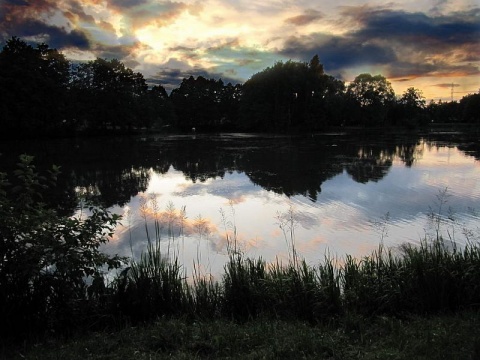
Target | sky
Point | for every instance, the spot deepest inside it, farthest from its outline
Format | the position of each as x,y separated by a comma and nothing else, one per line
433,46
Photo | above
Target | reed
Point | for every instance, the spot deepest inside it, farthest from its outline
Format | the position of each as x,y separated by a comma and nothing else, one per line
205,297
242,286
438,277
431,277
153,286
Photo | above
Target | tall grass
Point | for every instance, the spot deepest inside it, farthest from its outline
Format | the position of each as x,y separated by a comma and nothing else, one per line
151,287
431,277
441,277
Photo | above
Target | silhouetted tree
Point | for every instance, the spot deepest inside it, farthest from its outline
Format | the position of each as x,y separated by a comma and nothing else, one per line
111,93
156,109
470,108
229,106
410,109
33,87
43,93
444,112
374,95
197,103
291,95
328,105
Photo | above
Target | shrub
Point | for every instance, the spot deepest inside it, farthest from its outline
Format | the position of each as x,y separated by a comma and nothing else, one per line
47,260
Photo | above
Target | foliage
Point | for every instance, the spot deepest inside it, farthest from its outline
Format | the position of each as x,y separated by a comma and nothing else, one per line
290,95
429,278
371,90
44,94
410,109
110,95
151,287
413,98
351,337
205,104
470,108
467,110
47,259
374,95
33,87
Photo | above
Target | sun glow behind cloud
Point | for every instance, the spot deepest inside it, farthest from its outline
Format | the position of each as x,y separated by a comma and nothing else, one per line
415,43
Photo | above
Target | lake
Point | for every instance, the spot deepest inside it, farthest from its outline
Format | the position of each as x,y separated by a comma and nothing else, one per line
264,195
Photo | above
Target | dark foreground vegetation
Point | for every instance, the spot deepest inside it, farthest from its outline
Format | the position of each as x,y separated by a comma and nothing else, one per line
54,287
45,94
447,336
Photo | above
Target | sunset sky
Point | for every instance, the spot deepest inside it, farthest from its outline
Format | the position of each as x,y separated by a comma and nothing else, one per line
431,45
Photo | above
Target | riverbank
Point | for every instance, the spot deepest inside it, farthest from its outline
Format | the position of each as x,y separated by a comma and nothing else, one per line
423,305
347,299
447,336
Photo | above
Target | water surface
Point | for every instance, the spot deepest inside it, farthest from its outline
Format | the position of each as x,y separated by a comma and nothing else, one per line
332,193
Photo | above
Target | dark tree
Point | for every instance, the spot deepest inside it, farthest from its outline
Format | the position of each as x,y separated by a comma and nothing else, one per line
156,109
291,95
109,92
229,106
374,95
33,88
444,112
470,108
410,109
328,106
198,103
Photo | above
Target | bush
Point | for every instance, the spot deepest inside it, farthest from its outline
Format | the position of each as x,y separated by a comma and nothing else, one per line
47,260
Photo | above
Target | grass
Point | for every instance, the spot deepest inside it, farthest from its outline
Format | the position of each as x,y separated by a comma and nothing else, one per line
420,302
434,277
351,337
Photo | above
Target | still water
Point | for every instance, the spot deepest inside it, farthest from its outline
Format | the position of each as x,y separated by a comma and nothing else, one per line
338,194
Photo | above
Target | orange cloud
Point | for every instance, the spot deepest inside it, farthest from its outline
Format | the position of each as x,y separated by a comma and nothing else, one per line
308,17
311,245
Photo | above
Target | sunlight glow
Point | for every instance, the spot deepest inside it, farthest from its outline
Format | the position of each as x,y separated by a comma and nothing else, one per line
239,38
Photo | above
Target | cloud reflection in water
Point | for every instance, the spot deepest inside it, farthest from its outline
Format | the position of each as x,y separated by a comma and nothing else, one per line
339,221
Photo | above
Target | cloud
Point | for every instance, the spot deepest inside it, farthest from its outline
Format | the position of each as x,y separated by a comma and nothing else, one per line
412,70
127,3
422,39
446,85
337,52
441,31
171,77
31,20
405,45
54,36
234,39
113,51
27,8
308,17
89,25
76,13
438,7
141,13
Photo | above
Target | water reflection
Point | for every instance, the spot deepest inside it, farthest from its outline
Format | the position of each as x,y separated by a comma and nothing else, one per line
344,219
196,192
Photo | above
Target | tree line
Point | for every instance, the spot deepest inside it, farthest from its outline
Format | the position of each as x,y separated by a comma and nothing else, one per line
44,93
